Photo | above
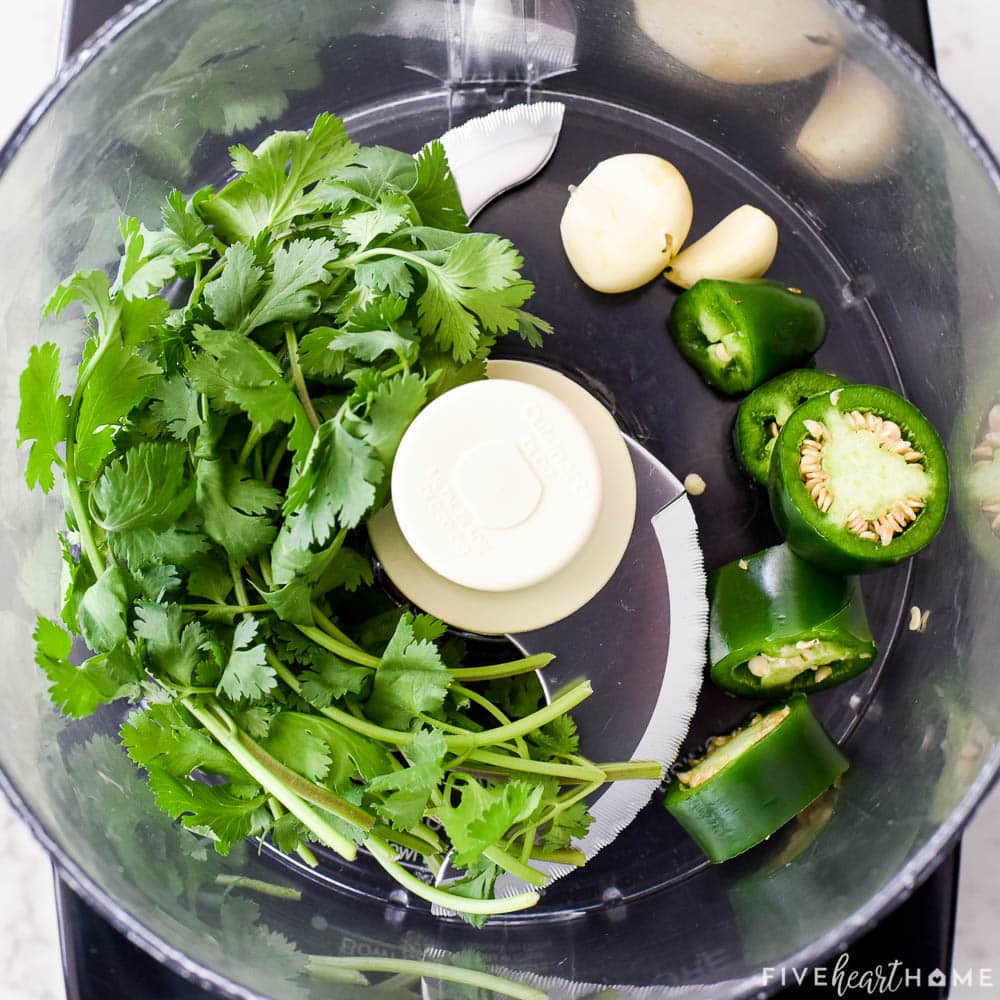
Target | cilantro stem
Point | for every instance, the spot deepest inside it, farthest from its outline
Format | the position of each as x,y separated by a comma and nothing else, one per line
302,811
559,705
410,839
354,655
275,461
258,885
385,856
324,622
568,773
253,439
302,850
228,609
83,524
564,856
428,970
298,378
201,282
497,670
509,863
315,794
484,703
633,770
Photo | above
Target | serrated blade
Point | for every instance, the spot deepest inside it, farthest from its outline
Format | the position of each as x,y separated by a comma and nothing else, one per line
641,642
496,152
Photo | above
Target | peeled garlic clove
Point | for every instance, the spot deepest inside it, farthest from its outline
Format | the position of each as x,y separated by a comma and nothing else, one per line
855,130
625,220
742,245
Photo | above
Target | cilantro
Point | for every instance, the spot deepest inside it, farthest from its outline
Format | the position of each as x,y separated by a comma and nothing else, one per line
234,508
79,689
336,487
174,650
102,611
44,415
250,369
558,738
411,678
331,677
247,675
296,741
410,789
573,821
229,817
485,813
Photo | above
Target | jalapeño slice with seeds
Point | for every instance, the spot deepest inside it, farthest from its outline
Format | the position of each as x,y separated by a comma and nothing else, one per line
779,624
763,413
858,480
737,334
754,780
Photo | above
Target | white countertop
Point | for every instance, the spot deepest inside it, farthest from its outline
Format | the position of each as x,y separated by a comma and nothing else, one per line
967,36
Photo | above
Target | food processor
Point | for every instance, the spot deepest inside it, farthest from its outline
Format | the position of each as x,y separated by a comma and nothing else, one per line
892,235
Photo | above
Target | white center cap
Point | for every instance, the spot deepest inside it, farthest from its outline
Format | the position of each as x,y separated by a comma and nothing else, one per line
496,485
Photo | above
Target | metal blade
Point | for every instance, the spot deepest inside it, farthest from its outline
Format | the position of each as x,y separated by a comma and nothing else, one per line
493,153
641,642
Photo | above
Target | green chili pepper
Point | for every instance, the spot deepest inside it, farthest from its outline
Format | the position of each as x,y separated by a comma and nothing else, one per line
858,480
763,413
737,334
758,778
779,624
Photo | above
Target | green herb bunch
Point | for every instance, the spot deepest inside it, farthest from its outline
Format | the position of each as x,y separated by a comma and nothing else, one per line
247,379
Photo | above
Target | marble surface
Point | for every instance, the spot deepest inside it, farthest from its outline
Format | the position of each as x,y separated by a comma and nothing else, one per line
967,34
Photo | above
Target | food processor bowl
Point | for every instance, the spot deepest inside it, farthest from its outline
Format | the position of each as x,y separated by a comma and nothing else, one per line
887,206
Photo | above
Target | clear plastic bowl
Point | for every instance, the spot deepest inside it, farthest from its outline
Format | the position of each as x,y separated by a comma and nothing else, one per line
888,209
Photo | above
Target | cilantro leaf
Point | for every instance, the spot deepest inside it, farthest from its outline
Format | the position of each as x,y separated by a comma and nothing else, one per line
296,741
232,294
271,191
477,883
290,295
102,611
92,290
213,808
184,237
44,415
389,213
139,272
292,602
336,486
410,789
435,194
349,569
176,404
147,488
574,821
557,738
411,678
477,286
352,756
247,675
77,690
391,410
236,373
233,508
174,650
484,814
160,736
331,677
